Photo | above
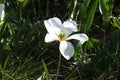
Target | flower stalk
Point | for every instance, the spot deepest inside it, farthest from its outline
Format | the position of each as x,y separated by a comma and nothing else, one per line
58,69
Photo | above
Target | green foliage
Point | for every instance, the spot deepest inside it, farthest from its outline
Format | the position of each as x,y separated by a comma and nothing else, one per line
90,15
22,46
46,71
116,23
106,8
116,39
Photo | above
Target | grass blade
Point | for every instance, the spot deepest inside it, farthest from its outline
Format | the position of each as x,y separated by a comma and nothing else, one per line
46,71
90,16
105,7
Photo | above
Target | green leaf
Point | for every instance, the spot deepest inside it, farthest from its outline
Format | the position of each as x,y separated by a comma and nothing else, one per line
75,4
25,3
92,43
116,23
41,77
7,47
90,15
11,29
73,78
106,7
84,8
46,71
1,28
6,62
116,38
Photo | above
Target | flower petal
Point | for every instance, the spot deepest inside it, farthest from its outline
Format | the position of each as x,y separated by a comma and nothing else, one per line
81,37
53,25
67,31
66,49
70,25
50,37
2,13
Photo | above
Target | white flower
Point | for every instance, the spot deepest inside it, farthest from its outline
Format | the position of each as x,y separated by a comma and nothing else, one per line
61,32
2,13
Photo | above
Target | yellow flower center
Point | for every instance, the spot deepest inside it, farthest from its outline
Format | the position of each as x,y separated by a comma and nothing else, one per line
61,37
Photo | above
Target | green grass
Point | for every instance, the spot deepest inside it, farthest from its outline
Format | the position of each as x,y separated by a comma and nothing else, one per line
22,46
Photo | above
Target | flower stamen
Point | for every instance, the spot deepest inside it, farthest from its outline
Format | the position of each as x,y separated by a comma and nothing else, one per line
61,37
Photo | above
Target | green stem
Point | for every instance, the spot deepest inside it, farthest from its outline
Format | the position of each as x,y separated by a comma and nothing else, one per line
20,15
81,49
58,69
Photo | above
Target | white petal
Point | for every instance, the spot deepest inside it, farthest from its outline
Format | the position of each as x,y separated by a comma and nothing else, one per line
53,25
2,6
66,49
81,37
50,37
2,13
70,25
67,31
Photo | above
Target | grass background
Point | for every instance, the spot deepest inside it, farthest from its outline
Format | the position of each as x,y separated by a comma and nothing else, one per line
22,46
